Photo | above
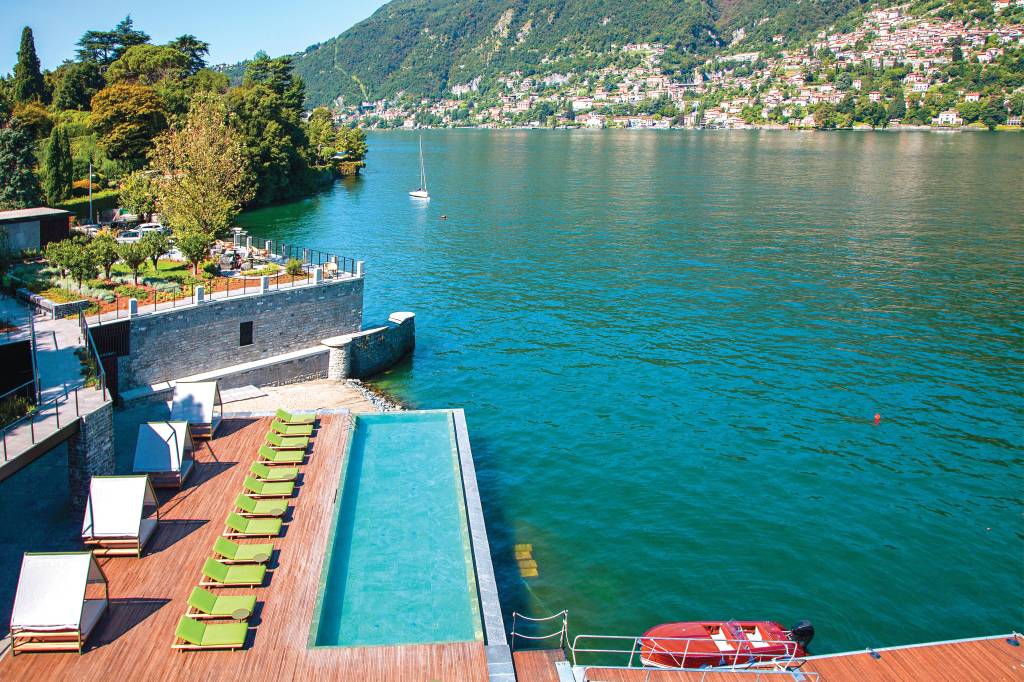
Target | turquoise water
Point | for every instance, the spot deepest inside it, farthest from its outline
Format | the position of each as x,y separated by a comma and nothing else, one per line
399,567
670,347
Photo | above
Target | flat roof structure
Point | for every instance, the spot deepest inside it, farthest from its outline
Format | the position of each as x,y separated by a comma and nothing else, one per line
23,214
148,595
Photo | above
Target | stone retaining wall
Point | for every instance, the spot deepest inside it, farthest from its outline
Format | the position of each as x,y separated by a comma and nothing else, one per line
365,353
90,452
204,337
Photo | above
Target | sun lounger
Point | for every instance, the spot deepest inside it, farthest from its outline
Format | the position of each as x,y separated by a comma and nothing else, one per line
234,553
248,507
291,429
258,489
276,441
216,574
195,635
292,419
203,604
275,457
240,527
274,473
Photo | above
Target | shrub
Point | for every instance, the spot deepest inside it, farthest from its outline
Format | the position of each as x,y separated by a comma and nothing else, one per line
294,267
211,269
101,201
13,408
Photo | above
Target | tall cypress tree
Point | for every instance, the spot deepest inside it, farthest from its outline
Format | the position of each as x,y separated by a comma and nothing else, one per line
19,186
28,79
59,171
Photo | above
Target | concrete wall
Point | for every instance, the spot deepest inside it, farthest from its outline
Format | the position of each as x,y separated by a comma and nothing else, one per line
22,236
200,338
369,352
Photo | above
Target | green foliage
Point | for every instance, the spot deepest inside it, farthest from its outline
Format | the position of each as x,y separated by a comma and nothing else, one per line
157,245
19,187
211,269
103,47
195,51
28,85
195,244
78,83
139,195
134,255
148,64
294,267
58,172
352,143
101,201
127,117
13,408
33,118
320,131
73,257
104,248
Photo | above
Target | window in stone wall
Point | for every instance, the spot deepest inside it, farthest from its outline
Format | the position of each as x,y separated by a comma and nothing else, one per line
245,334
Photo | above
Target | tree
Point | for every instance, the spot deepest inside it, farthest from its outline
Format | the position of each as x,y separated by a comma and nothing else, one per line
139,195
103,47
33,118
156,245
958,54
127,117
134,255
81,263
898,106
59,170
28,79
844,81
993,113
195,51
148,65
194,244
352,143
320,131
19,186
204,175
75,90
58,255
104,249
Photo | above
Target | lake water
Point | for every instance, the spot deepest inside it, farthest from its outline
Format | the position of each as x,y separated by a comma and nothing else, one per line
671,345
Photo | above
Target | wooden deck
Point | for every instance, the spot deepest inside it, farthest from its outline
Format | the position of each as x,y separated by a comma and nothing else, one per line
148,595
990,659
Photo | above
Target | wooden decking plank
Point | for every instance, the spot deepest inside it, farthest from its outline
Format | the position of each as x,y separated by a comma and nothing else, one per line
133,641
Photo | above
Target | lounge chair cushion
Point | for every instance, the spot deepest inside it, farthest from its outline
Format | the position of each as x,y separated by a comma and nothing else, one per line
274,473
283,457
211,635
258,487
291,429
292,418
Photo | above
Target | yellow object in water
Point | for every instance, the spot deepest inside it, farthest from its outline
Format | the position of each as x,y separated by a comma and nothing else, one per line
524,548
528,572
524,557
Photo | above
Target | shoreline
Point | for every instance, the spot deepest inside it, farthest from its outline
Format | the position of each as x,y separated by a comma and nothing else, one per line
383,401
856,129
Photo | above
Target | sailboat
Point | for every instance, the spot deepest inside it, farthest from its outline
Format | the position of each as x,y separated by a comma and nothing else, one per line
421,193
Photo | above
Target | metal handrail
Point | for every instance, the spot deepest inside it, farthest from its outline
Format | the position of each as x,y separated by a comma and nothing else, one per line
31,382
36,413
742,674
742,649
562,633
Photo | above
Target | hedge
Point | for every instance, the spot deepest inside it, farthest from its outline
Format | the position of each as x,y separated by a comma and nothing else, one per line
101,201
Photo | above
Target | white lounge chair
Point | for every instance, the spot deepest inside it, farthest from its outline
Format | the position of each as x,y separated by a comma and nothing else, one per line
53,607
121,515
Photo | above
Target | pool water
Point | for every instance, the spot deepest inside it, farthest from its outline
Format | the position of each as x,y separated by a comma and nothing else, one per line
399,566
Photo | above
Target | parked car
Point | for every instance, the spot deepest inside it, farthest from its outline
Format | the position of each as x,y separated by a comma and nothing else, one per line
128,236
137,233
152,227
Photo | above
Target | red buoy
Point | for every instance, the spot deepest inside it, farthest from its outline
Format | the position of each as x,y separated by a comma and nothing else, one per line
878,417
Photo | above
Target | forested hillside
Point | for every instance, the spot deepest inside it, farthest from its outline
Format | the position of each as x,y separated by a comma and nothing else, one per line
424,47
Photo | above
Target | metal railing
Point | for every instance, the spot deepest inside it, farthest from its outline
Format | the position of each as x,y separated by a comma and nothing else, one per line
562,633
740,653
749,675
94,353
40,412
34,383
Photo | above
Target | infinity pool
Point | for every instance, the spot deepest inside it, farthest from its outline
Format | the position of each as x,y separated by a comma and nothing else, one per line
399,564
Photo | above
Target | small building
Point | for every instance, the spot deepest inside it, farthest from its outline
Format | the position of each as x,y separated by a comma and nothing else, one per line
875,96
972,96
948,118
34,228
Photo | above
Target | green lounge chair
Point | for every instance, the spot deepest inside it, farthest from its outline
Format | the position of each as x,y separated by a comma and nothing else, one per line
216,574
235,553
291,429
195,635
276,441
258,489
275,457
274,474
247,507
240,527
203,604
292,419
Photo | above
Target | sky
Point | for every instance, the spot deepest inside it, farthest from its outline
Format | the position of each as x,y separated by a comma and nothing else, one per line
235,29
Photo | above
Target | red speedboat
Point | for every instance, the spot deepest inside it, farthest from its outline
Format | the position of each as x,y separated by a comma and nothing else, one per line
717,644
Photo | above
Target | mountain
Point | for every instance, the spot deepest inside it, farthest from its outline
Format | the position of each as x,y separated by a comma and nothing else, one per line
424,47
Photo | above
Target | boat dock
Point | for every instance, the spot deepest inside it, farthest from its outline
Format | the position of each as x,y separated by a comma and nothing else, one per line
148,595
981,659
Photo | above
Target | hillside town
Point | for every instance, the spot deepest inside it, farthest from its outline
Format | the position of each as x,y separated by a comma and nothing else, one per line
895,68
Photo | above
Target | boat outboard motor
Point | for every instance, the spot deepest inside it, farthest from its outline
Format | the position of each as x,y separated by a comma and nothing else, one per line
802,633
